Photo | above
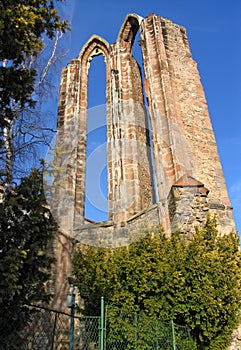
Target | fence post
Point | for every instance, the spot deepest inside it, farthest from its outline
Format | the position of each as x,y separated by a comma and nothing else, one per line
102,313
71,340
173,336
70,303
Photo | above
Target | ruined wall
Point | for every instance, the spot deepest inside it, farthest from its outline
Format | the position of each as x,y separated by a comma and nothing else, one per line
187,181
129,170
183,142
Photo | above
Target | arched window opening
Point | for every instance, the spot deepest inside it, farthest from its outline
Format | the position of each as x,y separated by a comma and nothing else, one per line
137,54
96,188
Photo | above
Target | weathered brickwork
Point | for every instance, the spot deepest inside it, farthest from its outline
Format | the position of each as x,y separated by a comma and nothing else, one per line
183,142
187,182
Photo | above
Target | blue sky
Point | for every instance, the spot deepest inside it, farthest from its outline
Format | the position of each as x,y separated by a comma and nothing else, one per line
214,31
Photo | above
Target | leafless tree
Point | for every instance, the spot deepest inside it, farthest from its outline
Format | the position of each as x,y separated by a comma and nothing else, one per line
24,136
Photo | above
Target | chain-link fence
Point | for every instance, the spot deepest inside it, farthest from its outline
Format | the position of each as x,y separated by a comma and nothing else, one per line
50,330
133,331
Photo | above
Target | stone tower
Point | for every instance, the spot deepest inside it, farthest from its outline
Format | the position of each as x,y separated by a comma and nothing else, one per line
162,160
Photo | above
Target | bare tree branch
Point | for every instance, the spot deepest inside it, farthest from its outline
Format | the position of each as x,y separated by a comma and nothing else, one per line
58,36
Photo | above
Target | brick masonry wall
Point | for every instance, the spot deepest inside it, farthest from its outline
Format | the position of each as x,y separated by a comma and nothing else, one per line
182,136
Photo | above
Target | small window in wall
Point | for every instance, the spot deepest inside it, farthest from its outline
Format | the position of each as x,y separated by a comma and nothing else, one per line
96,189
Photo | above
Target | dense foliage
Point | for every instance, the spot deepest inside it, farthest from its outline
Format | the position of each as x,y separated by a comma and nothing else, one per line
26,227
24,27
196,283
23,24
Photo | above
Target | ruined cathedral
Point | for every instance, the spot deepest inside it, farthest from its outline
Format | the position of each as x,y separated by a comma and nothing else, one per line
162,160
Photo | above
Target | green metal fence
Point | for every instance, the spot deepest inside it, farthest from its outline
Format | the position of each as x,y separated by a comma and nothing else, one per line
50,330
138,332
113,330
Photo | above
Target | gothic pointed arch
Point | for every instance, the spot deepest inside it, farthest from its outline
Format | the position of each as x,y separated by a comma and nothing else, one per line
129,29
95,46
